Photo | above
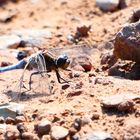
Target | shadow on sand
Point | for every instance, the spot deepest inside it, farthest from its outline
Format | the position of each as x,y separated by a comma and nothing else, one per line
24,96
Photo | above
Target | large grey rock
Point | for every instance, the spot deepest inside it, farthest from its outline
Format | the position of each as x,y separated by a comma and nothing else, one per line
107,5
24,37
11,109
32,37
121,102
127,42
9,41
98,135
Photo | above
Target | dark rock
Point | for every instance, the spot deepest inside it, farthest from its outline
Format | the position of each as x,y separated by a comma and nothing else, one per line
56,118
83,61
135,16
115,71
2,120
20,119
123,4
65,86
126,106
83,30
137,114
127,46
43,127
77,124
9,120
75,137
75,93
108,59
95,116
29,136
98,135
92,74
58,132
72,131
3,64
22,128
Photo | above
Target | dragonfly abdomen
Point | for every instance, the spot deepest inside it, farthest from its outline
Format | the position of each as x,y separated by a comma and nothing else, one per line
19,65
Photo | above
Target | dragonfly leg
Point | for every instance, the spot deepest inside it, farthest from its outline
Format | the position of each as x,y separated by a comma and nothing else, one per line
30,81
59,77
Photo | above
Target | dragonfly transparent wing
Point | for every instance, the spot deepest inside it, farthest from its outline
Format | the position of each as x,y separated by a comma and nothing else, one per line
39,79
21,85
34,82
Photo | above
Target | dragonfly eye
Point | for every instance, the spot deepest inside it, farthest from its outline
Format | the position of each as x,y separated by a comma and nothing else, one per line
21,55
63,61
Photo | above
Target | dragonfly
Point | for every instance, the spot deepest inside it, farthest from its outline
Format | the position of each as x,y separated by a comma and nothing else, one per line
43,61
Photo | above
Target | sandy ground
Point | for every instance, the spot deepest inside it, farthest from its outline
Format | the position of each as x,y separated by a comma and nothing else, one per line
62,17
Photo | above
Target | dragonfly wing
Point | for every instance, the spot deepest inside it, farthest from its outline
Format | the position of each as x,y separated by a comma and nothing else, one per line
39,79
20,86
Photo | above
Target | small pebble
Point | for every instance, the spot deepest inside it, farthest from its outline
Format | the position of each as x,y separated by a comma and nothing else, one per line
75,137
95,116
9,120
72,131
65,86
98,135
83,30
46,137
20,119
1,120
107,5
12,133
43,127
3,64
77,124
29,136
22,128
59,132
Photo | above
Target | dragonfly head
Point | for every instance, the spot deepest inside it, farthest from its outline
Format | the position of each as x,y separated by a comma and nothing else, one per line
63,61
